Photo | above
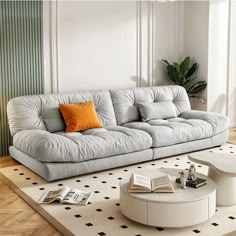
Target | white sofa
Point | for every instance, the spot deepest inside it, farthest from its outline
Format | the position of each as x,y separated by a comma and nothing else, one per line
40,143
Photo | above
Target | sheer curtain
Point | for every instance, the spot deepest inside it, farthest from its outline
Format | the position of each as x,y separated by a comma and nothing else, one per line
231,70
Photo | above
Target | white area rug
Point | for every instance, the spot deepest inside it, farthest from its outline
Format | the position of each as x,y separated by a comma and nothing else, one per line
102,216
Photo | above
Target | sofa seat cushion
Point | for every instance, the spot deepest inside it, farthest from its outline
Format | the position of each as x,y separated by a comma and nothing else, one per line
189,127
81,146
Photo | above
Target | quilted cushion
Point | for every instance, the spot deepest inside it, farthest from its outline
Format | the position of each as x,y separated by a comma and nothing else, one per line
81,146
157,110
191,125
125,101
41,112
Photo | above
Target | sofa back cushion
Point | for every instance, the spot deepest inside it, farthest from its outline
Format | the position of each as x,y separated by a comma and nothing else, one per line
42,111
157,110
125,101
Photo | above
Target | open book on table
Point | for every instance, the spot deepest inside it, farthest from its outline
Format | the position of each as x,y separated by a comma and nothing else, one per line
161,184
66,195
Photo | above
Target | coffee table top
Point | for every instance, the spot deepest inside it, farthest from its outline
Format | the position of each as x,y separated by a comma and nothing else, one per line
223,163
179,196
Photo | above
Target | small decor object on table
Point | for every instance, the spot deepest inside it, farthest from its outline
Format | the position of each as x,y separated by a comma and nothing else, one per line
141,183
66,195
182,179
192,173
192,180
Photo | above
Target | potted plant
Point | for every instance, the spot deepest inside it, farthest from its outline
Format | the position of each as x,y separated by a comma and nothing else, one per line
185,75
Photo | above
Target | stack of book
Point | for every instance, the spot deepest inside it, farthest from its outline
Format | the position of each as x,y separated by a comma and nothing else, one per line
194,184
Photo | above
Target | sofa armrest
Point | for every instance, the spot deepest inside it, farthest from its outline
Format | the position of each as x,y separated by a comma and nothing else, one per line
218,121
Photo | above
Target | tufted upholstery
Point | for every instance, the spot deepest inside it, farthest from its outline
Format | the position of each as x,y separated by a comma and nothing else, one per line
40,143
40,112
191,125
81,146
125,100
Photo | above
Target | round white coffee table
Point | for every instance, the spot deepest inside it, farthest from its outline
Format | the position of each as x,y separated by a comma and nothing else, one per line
180,209
222,169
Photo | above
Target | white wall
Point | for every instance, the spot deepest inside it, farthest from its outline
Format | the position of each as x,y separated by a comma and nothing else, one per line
107,44
196,15
168,32
97,45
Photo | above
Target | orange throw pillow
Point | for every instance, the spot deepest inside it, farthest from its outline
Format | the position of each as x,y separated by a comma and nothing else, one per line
80,117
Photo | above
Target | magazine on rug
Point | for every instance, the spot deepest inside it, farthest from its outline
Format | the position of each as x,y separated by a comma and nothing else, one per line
160,184
66,195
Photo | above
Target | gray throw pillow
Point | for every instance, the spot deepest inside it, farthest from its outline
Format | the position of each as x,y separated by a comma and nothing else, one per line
157,110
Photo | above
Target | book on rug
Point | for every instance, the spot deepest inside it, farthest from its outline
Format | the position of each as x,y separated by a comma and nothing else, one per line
194,183
160,184
66,195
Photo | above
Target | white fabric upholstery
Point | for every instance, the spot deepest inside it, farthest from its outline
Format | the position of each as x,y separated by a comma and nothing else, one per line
41,112
125,101
194,126
157,110
77,147
39,139
218,121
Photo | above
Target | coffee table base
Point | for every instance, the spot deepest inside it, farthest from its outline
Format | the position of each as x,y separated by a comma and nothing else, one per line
226,188
167,214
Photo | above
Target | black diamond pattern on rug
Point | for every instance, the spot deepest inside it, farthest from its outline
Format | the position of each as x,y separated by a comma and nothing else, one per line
101,234
89,224
124,226
196,231
215,224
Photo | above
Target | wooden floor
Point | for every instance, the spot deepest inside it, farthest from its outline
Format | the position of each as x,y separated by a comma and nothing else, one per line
18,218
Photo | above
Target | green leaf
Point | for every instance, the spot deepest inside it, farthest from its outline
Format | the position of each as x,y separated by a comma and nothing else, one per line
197,87
184,74
177,67
188,81
165,62
172,73
184,66
192,70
